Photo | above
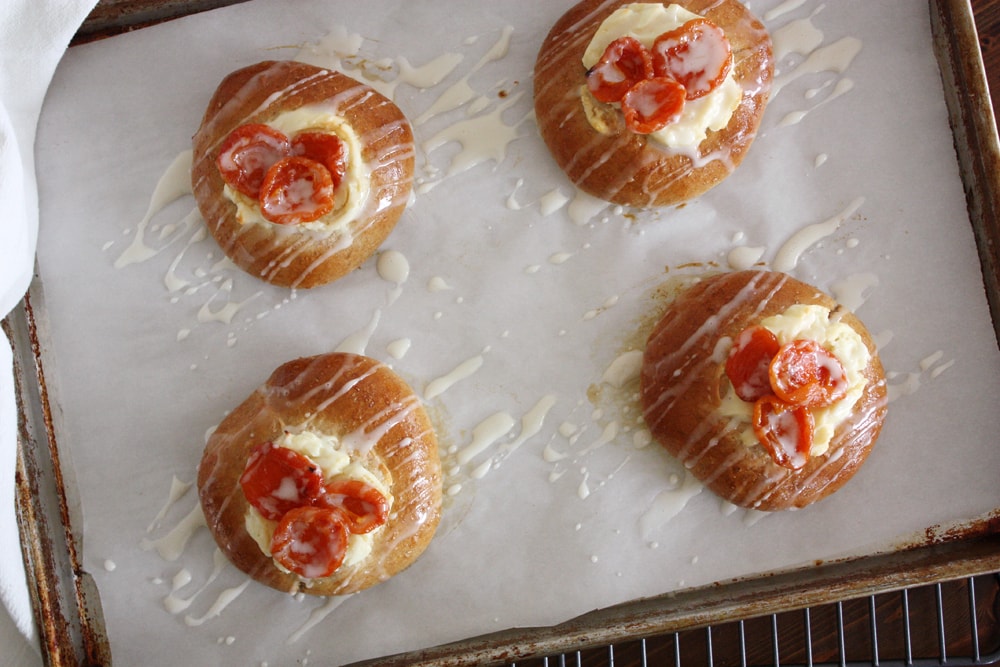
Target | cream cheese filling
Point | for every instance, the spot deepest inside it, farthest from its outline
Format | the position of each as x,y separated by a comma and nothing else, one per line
646,21
349,197
326,452
811,322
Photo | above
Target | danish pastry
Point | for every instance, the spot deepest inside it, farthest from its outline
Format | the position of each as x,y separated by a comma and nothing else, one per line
771,393
300,172
650,104
326,479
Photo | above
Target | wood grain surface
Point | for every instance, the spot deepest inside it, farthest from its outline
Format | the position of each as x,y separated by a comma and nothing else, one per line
987,15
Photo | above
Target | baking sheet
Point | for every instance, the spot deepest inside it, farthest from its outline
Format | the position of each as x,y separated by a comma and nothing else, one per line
520,294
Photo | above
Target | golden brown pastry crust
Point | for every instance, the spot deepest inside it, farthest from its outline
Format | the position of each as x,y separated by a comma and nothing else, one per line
627,168
285,254
682,381
345,396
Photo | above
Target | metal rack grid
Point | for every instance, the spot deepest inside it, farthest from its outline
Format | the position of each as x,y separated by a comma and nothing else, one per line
950,623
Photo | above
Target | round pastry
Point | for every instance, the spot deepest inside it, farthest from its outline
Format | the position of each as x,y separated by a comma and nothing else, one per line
650,104
326,480
766,389
300,172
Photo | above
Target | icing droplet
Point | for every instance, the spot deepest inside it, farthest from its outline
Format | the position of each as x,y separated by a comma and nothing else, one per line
393,267
397,349
624,369
552,202
744,257
437,284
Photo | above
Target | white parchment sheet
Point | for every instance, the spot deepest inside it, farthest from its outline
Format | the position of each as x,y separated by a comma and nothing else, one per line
519,294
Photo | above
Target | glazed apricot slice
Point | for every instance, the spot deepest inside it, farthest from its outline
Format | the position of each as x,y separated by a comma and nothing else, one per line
652,104
785,431
697,55
247,153
804,373
625,62
296,190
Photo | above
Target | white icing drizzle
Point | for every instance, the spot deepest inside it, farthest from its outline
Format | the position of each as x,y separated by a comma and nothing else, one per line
482,469
485,434
532,422
358,341
228,310
431,73
783,8
482,138
175,604
793,118
171,280
464,370
331,48
461,92
903,384
667,504
552,201
624,369
852,291
789,253
608,434
585,207
317,615
225,598
799,36
512,203
177,491
173,184
835,57
171,546
172,603
550,454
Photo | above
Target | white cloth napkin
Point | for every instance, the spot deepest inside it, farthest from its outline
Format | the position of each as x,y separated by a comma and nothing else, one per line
34,35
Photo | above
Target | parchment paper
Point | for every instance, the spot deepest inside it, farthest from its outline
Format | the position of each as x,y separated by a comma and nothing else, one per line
520,293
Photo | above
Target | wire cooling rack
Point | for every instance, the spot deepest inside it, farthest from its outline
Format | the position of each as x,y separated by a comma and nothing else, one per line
950,623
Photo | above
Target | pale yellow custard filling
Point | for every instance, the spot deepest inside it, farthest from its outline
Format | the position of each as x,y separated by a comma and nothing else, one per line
812,323
350,195
645,22
325,451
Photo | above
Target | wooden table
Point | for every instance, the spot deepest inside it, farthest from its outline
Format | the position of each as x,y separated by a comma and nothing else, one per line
987,14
